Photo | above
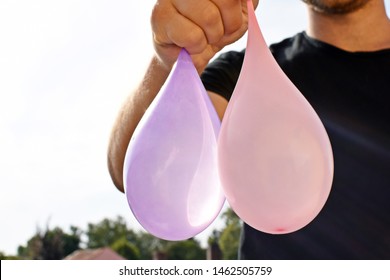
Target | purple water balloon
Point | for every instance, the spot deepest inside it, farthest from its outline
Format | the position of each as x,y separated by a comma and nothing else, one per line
170,171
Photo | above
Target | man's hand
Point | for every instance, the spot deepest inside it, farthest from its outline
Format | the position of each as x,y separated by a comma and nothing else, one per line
202,27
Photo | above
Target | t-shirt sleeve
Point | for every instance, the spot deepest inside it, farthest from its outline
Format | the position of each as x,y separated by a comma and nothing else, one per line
221,75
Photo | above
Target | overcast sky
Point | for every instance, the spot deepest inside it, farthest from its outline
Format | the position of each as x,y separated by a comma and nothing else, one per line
65,68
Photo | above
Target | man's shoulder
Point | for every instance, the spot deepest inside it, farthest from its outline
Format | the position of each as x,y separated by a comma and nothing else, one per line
289,47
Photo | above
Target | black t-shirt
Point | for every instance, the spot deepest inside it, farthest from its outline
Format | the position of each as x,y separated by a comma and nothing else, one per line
351,94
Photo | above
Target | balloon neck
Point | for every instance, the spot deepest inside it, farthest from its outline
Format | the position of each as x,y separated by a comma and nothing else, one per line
184,56
250,4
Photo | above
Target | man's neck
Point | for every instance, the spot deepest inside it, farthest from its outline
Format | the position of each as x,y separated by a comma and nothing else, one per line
367,29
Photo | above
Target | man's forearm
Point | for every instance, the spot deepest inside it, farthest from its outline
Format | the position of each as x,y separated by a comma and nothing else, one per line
129,117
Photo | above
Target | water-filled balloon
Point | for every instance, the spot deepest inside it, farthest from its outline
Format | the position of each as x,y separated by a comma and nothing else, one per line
170,171
274,155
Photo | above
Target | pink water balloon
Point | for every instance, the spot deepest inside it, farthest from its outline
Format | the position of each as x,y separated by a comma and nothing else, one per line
170,171
274,155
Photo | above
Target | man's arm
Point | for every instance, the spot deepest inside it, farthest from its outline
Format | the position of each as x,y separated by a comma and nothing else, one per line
129,115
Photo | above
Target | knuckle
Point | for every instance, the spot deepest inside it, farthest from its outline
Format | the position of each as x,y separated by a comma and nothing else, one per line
232,14
192,39
211,17
196,40
213,25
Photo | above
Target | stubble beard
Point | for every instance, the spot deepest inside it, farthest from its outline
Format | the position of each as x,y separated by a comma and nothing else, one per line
336,7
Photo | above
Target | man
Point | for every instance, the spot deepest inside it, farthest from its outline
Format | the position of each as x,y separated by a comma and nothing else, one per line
341,64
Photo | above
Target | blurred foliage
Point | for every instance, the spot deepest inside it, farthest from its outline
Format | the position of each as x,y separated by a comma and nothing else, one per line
52,244
229,237
106,232
185,250
126,249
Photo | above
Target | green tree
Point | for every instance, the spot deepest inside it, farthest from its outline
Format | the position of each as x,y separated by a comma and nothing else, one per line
185,250
106,232
149,244
213,250
230,235
114,233
49,244
126,249
72,240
